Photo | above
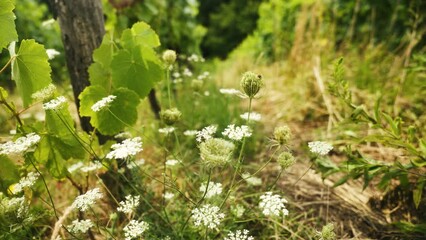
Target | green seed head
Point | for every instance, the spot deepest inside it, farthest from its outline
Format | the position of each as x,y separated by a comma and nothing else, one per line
169,57
327,232
216,152
286,160
282,134
251,83
196,85
171,116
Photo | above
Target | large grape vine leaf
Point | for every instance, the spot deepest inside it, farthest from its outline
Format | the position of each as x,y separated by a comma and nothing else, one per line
114,118
7,23
100,70
30,69
140,34
138,69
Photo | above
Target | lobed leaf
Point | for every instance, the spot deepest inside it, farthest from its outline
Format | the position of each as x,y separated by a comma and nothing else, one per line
7,23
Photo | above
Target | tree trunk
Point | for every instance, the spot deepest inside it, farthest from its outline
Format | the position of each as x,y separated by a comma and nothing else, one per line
82,27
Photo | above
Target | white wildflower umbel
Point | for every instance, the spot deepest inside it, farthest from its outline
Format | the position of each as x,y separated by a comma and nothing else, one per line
239,235
190,133
320,148
213,190
103,103
25,182
52,53
128,148
20,145
272,205
135,229
207,216
166,130
130,205
44,93
79,227
83,202
206,133
254,116
252,180
172,162
55,104
216,152
231,91
237,133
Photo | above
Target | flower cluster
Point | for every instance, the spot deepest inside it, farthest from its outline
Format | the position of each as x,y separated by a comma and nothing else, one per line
190,132
128,148
216,152
82,226
93,166
17,205
239,235
172,162
136,163
52,53
230,91
20,145
237,133
166,130
84,201
135,229
208,216
282,134
206,133
128,206
327,232
254,116
252,180
286,160
104,102
213,190
25,182
272,204
55,103
320,148
44,93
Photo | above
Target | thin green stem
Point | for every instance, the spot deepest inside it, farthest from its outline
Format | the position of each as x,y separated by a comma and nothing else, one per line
45,185
239,161
169,95
7,64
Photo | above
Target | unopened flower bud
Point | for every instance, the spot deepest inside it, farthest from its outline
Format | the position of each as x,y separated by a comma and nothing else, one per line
196,85
251,83
171,116
169,57
282,134
216,152
286,160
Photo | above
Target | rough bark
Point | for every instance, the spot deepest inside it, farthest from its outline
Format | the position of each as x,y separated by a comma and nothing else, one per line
82,30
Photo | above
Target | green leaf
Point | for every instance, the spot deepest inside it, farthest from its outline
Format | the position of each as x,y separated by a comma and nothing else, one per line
113,119
30,69
140,34
8,172
100,76
137,69
100,71
3,93
418,191
7,23
63,135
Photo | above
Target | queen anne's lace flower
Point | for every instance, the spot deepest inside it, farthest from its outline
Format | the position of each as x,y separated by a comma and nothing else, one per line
272,204
214,189
84,201
25,182
239,235
52,53
128,148
55,103
230,91
20,145
79,227
104,102
252,180
208,216
320,148
44,93
136,163
135,229
168,195
75,167
254,116
92,167
166,130
237,133
172,162
190,132
128,206
206,133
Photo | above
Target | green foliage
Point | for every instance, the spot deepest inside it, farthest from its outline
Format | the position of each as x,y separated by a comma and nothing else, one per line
119,114
385,130
7,23
30,69
8,172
